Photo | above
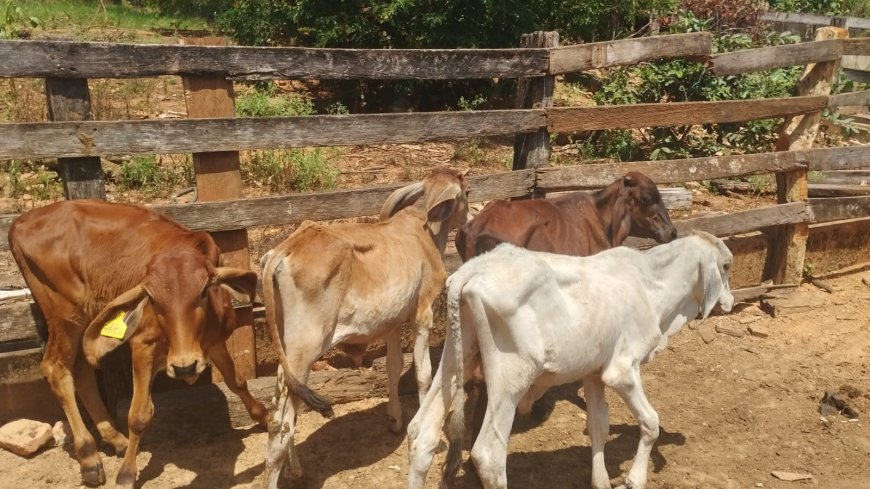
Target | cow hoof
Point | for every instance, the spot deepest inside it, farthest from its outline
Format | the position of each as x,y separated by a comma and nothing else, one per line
93,476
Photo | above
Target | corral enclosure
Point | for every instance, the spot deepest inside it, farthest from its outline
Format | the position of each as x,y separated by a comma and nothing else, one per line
770,243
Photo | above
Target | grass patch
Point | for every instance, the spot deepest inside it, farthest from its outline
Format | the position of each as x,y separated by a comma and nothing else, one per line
265,103
297,169
29,178
83,17
146,174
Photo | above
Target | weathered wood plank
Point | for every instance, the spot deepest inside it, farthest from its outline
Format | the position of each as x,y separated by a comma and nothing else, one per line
844,177
627,52
19,321
846,158
861,98
668,171
108,60
572,119
92,138
291,209
760,59
821,190
748,220
857,47
839,208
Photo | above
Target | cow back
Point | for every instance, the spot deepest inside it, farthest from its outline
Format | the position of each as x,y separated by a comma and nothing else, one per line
89,251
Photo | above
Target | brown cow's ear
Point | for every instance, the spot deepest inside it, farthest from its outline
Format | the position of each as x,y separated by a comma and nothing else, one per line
237,280
114,325
401,198
440,206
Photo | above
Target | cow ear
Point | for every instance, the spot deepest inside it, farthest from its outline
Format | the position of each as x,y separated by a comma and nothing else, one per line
440,206
237,280
114,325
400,199
712,287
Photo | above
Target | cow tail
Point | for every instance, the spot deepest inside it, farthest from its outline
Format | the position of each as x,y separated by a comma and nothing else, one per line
456,425
299,389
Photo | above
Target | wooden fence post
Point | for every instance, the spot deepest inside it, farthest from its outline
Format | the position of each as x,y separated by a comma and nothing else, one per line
532,150
218,178
68,99
787,245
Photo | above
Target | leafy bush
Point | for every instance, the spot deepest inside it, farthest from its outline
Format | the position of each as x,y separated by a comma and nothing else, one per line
298,169
418,24
823,7
687,81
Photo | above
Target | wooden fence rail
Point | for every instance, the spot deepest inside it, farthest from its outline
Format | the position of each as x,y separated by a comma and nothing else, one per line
105,138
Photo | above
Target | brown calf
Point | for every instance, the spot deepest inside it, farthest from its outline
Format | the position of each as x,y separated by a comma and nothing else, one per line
578,223
104,274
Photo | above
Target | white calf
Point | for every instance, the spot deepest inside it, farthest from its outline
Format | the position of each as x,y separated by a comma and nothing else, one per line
536,320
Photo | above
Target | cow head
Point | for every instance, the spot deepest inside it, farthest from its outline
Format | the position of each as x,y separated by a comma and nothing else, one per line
445,200
182,301
715,270
646,213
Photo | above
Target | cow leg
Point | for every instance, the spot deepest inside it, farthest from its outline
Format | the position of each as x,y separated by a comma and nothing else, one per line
489,452
422,363
141,410
598,426
86,385
56,366
237,384
425,427
535,392
395,360
282,428
630,389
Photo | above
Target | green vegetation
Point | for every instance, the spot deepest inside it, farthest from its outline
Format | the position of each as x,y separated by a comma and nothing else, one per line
684,81
264,102
29,178
14,23
145,174
297,169
90,20
856,8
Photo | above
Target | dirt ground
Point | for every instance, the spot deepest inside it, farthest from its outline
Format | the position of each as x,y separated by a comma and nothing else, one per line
732,411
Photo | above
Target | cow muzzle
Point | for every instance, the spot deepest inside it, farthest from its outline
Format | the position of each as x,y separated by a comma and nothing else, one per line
185,370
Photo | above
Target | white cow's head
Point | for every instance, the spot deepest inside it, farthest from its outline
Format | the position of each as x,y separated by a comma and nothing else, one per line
715,270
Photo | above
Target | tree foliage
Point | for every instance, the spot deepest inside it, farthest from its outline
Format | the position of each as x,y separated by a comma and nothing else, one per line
430,23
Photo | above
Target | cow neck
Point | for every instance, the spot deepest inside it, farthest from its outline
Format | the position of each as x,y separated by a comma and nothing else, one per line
676,280
605,205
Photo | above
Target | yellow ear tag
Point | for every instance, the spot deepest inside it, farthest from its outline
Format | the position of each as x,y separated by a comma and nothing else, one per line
116,328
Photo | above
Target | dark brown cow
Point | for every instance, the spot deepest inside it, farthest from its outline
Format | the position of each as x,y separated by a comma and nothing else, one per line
579,223
104,274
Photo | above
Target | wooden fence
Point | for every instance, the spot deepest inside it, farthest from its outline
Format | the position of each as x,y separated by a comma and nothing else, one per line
79,142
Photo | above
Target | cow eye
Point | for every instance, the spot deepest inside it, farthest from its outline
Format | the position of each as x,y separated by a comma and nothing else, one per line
726,267
204,293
